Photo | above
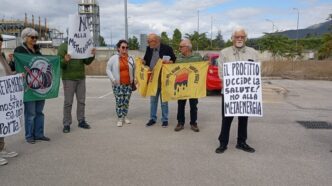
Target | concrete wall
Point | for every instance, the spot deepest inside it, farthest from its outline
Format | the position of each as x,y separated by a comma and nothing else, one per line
103,54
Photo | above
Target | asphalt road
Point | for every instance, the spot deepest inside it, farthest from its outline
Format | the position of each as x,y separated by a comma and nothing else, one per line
286,152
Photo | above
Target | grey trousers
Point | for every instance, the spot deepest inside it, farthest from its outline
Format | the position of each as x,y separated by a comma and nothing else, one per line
2,143
71,87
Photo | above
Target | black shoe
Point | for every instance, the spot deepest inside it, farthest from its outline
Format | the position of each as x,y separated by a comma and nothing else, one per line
245,147
221,149
194,127
150,123
31,141
43,138
165,124
179,127
84,125
66,129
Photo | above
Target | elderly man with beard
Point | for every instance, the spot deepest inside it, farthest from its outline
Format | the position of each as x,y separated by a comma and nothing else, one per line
237,52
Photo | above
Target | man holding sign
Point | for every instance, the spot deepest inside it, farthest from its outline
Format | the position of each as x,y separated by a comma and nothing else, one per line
74,55
237,52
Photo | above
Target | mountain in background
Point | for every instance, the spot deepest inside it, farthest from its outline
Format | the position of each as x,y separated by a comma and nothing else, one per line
314,30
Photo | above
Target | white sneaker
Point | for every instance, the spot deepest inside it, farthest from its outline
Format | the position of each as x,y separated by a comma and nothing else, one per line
6,154
120,122
126,120
3,161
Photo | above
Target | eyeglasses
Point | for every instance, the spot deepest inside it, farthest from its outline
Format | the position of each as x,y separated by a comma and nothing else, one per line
182,46
33,37
240,37
123,47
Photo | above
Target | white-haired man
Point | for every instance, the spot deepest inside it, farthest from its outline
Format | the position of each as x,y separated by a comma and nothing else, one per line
237,52
185,56
153,53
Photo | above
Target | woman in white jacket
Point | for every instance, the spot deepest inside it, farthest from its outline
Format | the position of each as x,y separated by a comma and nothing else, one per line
120,70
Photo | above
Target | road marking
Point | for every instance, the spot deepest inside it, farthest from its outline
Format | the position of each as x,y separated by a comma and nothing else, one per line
105,95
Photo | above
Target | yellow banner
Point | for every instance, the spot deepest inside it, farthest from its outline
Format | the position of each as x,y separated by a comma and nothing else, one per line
184,80
153,81
141,74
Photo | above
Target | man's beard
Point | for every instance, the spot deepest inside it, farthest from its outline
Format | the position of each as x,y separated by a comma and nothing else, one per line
239,44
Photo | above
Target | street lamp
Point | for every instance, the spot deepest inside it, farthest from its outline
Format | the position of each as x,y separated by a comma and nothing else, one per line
126,20
269,20
297,25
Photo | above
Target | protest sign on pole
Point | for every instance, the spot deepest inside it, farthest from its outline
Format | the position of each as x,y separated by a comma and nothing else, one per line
11,104
242,89
80,42
42,75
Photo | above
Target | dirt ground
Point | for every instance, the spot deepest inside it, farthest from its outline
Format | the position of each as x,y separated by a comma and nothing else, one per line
315,70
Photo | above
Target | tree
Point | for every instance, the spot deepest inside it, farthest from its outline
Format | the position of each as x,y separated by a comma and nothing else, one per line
164,38
101,41
133,43
219,41
278,45
325,50
199,41
177,36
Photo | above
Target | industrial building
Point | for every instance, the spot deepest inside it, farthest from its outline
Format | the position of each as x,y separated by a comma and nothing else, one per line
90,8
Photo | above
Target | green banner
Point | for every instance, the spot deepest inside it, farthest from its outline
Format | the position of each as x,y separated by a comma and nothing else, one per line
42,75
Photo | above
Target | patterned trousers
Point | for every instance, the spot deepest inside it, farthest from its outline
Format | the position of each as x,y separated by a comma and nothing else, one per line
122,95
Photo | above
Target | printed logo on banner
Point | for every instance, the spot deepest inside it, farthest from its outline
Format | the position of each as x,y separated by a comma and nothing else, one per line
42,75
39,76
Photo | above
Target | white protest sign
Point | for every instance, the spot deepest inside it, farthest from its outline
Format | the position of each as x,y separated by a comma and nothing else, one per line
80,42
11,104
242,89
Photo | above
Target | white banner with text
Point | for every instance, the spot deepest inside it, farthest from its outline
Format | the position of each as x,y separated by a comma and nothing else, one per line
80,42
242,89
11,104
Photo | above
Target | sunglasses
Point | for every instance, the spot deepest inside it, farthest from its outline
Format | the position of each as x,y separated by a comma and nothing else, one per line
240,37
123,47
33,37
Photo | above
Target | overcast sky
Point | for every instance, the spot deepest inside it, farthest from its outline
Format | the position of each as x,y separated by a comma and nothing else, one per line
146,16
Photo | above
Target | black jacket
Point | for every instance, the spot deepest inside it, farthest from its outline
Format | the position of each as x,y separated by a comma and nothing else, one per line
25,50
164,50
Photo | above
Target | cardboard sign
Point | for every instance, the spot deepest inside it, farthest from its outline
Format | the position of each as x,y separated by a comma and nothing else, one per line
80,42
11,104
242,89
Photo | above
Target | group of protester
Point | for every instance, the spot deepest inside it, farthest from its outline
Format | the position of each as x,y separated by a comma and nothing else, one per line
121,72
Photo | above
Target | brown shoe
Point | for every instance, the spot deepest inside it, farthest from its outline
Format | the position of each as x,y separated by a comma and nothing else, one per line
178,127
194,127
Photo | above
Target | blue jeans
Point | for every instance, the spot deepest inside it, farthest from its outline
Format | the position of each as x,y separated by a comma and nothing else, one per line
154,107
34,119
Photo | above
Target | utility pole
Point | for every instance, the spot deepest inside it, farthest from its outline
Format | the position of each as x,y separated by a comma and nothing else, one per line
269,20
126,20
197,30
297,25
211,30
